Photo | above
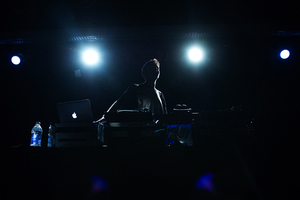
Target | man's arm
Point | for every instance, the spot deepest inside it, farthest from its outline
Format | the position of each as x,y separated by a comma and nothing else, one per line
126,101
123,102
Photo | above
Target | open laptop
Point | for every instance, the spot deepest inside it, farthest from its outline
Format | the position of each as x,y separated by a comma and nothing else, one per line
75,112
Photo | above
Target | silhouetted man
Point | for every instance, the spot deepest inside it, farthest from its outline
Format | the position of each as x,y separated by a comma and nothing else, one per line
142,97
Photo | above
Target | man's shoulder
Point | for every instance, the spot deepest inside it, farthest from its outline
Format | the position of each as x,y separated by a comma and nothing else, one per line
157,90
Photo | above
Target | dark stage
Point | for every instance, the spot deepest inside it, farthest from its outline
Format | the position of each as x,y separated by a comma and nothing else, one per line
241,72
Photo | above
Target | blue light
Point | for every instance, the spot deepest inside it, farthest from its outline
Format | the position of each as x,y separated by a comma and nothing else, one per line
195,54
284,54
91,57
15,60
98,184
205,182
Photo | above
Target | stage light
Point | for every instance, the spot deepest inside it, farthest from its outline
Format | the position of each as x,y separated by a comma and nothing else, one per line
91,57
284,54
16,60
205,182
195,54
98,184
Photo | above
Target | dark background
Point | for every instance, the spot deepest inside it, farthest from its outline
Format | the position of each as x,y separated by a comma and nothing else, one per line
242,41
243,71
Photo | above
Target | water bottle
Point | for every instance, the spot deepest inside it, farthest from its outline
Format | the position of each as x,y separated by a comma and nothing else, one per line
51,135
36,135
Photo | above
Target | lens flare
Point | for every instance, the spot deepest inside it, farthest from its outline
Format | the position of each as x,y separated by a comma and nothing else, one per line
205,182
98,184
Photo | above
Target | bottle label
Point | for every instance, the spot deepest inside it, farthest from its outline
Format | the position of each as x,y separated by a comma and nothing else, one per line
39,139
36,139
33,141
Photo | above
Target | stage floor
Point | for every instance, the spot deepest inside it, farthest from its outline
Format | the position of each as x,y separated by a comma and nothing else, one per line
212,170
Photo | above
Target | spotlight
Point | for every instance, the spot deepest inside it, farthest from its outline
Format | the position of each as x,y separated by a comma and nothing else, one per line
195,54
90,57
16,60
284,54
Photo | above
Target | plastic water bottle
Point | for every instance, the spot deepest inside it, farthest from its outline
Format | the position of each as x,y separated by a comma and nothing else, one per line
51,135
36,135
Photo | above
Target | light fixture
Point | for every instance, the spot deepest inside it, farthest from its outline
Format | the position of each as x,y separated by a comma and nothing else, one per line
16,60
91,57
284,54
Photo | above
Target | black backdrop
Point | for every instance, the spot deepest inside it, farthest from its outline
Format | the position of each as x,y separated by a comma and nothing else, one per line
241,68
236,71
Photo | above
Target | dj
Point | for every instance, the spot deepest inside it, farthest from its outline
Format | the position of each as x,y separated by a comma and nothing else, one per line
142,97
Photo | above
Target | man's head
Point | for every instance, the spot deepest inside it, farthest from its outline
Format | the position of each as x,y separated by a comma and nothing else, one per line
151,70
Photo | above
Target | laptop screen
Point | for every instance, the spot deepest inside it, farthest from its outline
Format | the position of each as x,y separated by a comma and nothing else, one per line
75,111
